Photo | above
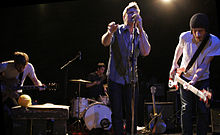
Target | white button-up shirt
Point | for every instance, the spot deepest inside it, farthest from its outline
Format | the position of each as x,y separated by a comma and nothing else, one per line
187,43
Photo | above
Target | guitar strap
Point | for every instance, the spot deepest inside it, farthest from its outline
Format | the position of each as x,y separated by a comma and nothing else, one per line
196,54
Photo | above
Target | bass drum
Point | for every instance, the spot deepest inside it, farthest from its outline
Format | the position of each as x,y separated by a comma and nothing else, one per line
98,115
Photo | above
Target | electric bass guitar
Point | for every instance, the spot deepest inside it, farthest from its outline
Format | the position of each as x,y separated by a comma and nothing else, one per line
49,86
204,95
10,88
156,125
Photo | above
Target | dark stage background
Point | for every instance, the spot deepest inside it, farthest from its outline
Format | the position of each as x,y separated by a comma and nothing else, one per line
52,32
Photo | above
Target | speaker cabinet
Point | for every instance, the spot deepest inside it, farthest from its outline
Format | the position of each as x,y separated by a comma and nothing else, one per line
39,127
215,120
173,95
40,120
167,111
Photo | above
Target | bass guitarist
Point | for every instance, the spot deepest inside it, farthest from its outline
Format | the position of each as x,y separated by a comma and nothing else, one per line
197,74
12,75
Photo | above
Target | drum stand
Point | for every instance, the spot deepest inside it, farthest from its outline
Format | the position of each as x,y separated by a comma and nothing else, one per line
78,123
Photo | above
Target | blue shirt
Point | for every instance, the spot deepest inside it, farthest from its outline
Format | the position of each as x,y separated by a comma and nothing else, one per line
119,65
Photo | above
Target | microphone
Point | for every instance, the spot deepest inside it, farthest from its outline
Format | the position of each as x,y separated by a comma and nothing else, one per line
80,55
134,17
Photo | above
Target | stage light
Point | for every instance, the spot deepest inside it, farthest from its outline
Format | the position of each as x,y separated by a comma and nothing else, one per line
166,1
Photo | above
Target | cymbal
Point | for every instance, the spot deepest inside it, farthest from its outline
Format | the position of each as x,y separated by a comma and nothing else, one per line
80,80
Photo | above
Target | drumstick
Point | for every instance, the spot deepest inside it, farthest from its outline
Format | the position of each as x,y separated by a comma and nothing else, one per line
91,100
106,94
101,97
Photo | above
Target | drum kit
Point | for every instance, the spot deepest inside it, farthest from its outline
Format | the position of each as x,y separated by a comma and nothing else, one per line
95,114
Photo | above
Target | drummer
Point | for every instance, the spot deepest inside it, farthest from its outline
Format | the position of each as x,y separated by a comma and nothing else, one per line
97,87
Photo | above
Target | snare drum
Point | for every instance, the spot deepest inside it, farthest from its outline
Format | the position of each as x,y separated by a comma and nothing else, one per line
98,115
83,104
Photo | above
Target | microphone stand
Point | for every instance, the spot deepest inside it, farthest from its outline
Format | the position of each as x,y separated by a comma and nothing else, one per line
133,80
65,66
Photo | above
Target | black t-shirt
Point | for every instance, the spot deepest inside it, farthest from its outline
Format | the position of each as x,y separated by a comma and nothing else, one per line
96,90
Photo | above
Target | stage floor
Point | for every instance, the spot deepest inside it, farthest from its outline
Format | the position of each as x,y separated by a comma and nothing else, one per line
102,132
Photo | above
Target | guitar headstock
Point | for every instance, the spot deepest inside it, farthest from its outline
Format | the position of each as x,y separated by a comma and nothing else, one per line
52,86
153,89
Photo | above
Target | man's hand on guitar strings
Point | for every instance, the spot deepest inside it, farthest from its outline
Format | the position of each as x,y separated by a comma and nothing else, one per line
179,71
186,85
192,82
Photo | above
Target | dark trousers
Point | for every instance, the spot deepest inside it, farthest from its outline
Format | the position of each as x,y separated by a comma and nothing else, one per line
191,102
7,105
120,99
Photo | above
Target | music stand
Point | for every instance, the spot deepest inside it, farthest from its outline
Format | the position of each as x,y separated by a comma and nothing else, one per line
78,122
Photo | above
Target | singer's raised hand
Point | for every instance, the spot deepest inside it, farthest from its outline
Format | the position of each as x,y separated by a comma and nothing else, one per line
112,27
107,37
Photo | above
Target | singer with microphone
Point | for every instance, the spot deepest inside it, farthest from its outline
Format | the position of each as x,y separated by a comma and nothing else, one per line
126,41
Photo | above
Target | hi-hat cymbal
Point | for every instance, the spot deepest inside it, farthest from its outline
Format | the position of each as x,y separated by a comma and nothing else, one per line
79,80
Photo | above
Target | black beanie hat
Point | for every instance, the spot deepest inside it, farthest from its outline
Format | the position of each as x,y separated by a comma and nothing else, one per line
199,20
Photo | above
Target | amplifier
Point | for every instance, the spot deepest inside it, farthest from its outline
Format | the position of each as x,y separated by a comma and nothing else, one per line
40,119
167,111
215,120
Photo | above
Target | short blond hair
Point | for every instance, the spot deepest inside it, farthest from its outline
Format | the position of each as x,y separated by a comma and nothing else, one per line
130,5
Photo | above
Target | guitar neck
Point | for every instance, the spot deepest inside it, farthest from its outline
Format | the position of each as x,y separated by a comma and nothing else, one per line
31,87
191,88
154,107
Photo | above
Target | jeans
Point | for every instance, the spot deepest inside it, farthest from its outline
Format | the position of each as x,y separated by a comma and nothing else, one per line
191,102
120,99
